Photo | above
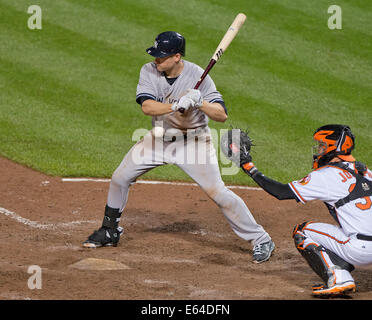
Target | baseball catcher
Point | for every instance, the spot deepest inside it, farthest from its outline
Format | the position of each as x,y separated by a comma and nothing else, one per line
343,184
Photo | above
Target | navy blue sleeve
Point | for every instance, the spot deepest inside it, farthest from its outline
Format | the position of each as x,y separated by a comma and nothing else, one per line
221,102
143,97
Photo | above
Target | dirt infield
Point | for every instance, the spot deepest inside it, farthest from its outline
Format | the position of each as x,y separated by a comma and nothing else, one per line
177,244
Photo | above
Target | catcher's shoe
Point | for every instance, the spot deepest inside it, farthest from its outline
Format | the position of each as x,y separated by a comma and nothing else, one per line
262,251
104,237
335,290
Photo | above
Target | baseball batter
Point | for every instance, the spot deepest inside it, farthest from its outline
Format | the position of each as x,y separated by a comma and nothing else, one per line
178,138
345,186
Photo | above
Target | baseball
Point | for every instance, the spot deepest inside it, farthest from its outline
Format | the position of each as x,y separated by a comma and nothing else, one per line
158,132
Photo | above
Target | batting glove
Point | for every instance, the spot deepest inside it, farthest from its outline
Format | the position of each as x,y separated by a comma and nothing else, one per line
185,103
195,96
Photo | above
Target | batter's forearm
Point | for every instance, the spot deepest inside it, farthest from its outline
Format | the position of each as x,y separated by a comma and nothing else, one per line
214,111
155,108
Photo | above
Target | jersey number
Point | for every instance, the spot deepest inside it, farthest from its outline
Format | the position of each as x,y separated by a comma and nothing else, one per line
364,206
345,175
360,205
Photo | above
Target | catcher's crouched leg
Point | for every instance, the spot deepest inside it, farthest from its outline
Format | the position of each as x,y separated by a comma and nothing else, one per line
332,269
109,233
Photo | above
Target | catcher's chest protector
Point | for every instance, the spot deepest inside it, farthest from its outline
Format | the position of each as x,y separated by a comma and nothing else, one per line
363,187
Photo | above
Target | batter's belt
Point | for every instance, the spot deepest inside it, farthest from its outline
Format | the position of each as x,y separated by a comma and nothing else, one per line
188,134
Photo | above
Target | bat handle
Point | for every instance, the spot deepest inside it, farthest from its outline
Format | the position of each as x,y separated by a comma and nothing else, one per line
198,84
206,71
182,110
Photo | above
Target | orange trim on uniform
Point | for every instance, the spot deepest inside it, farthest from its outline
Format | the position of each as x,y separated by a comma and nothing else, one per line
330,166
309,222
311,243
300,245
335,290
296,228
297,193
352,187
327,235
320,286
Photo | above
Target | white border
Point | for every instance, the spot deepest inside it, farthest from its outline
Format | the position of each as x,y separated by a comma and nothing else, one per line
153,182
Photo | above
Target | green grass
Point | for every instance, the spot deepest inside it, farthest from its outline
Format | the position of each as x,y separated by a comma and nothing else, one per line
67,98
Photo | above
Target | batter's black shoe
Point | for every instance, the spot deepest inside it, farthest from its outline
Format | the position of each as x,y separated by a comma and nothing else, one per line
104,237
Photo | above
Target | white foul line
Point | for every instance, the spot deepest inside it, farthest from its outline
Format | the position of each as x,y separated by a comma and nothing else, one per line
153,182
34,224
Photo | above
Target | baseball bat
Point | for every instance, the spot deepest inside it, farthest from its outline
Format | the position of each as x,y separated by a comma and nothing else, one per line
221,48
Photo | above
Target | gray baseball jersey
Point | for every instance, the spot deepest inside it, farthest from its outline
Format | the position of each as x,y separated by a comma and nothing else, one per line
152,84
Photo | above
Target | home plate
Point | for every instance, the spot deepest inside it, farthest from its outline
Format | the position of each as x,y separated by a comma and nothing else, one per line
98,264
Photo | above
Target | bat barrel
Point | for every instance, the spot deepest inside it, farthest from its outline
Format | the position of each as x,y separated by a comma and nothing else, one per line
225,42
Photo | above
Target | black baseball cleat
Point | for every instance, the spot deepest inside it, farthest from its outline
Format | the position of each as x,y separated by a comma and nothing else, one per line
104,237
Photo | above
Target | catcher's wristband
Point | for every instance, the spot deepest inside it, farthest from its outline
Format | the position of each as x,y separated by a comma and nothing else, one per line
249,168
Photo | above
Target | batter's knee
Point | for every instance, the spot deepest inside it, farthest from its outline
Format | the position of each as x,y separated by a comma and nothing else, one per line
119,178
215,192
116,178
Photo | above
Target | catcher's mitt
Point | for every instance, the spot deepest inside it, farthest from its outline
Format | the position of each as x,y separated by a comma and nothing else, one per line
236,146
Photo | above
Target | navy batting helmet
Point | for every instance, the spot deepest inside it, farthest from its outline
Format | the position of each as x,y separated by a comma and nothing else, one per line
166,44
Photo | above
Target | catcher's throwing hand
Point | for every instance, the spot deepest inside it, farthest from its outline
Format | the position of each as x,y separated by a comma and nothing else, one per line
236,146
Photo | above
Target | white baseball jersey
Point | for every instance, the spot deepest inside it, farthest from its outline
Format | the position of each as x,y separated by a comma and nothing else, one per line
153,84
330,184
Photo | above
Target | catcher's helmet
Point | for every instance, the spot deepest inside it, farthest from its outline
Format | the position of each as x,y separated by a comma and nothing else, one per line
332,140
166,44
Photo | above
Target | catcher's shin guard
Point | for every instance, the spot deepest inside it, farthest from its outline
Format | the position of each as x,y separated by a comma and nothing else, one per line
313,256
325,263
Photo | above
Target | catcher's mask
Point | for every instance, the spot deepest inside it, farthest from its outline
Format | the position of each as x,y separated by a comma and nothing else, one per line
332,140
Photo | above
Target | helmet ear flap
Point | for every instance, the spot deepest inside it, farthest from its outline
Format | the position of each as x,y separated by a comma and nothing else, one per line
346,143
